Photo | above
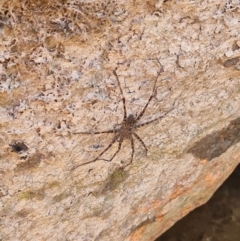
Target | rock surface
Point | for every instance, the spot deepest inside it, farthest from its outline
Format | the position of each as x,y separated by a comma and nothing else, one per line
218,219
57,60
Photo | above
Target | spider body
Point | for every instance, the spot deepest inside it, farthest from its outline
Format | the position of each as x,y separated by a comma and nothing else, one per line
127,128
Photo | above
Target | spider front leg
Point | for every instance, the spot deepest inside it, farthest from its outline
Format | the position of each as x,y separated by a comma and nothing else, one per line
150,98
123,98
156,119
97,132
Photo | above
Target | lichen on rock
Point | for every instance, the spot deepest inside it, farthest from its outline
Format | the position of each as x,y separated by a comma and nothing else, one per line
56,77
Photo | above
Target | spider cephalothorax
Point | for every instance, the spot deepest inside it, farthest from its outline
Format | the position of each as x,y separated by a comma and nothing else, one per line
127,128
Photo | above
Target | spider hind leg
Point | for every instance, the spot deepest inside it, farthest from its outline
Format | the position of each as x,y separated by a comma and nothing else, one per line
115,138
132,154
141,141
119,148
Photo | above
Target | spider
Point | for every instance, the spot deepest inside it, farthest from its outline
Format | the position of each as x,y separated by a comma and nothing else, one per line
127,127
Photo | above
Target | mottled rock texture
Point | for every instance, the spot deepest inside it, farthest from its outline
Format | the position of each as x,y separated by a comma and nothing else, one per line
56,64
218,219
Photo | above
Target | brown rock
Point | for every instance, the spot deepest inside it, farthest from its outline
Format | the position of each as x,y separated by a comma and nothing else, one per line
56,66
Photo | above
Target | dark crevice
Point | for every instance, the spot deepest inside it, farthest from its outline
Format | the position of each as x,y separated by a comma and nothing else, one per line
18,146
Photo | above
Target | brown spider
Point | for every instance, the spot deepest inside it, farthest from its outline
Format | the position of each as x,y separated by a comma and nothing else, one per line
127,128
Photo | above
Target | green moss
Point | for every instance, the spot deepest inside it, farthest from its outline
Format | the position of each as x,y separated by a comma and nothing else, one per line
60,197
115,179
52,184
26,195
96,211
30,194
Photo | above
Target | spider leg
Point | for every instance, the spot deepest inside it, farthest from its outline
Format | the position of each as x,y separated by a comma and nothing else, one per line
151,96
97,158
119,148
141,141
97,132
123,98
156,119
133,151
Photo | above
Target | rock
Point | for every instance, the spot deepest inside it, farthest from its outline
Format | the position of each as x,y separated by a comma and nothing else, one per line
69,67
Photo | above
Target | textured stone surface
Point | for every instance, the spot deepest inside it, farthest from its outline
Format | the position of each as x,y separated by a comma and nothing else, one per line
218,219
56,63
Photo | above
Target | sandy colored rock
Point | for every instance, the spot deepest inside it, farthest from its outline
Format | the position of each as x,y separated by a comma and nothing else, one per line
218,219
56,65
